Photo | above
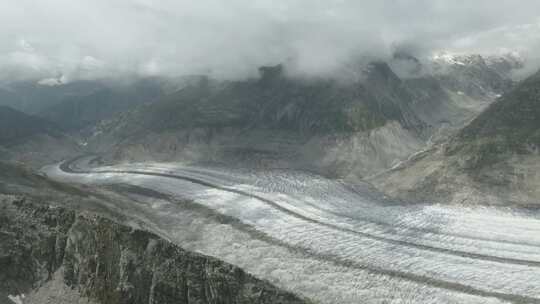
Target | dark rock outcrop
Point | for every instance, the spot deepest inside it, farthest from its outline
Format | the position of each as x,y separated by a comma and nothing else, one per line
110,263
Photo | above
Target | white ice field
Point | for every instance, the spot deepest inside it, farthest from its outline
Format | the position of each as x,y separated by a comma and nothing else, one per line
331,241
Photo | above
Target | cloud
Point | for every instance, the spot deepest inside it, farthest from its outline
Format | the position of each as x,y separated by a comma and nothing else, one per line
120,38
51,82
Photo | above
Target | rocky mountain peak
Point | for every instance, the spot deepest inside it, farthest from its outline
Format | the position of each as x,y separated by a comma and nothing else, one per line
270,74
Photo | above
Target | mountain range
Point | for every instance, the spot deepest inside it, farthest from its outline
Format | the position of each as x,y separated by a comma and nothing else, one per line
355,128
337,128
348,155
492,160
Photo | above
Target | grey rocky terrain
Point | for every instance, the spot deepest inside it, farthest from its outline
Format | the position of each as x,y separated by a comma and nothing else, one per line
493,160
357,127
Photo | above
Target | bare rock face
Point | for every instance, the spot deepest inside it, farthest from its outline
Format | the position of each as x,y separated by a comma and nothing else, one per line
105,262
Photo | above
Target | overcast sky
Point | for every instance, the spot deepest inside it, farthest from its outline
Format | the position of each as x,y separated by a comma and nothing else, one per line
230,38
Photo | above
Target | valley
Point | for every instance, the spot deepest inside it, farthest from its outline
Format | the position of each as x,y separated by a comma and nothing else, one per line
379,188
335,227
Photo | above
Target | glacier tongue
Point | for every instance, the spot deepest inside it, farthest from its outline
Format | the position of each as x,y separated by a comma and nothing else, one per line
335,242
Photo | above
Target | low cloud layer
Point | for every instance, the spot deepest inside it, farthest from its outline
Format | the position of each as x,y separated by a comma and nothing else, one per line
56,41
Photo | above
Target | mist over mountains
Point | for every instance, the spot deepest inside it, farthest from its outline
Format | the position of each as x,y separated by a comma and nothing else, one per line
81,41
369,119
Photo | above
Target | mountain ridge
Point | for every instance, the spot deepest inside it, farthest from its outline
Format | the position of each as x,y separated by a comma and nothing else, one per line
492,160
304,120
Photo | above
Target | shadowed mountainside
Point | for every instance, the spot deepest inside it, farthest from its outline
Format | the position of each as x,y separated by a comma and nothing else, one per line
106,100
276,102
16,126
356,127
510,125
32,139
493,160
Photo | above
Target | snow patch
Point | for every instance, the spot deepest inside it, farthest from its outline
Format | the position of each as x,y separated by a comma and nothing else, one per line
51,82
17,299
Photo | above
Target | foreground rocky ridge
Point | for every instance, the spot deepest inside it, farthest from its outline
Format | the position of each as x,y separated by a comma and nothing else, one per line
105,262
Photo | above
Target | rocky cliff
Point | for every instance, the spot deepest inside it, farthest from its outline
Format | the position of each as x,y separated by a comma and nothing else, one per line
55,255
493,160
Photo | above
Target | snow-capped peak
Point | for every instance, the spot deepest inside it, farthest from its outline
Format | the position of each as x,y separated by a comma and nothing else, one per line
447,58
